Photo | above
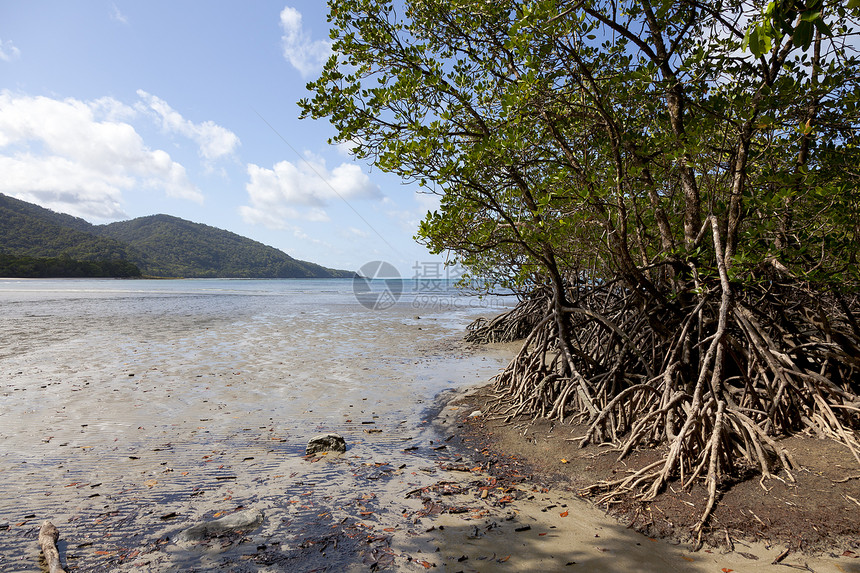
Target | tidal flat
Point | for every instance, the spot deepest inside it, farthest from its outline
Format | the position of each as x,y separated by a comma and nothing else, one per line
130,410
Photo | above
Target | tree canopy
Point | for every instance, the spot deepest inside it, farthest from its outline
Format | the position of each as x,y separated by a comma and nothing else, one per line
681,177
64,267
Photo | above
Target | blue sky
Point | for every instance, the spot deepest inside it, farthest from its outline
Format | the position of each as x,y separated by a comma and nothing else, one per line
115,110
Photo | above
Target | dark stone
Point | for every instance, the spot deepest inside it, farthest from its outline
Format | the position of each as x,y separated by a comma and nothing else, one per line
326,443
240,522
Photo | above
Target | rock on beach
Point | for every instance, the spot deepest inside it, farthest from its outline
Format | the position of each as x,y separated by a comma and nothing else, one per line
242,521
326,443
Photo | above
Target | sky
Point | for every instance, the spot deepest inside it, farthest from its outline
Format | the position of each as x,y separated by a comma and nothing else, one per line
111,110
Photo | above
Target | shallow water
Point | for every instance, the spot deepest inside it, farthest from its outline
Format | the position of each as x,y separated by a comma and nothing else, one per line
130,410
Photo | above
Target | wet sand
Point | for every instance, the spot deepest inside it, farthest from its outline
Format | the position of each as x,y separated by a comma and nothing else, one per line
522,524
125,428
125,421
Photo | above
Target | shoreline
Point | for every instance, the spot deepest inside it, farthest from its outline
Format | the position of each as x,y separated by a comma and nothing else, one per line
167,424
538,521
131,415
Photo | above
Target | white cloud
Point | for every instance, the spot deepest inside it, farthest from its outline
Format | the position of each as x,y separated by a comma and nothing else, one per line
409,219
301,191
118,16
306,55
8,51
352,232
214,141
346,147
109,109
64,185
428,201
78,157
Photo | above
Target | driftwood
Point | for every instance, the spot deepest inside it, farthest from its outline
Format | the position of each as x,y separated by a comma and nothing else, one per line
48,536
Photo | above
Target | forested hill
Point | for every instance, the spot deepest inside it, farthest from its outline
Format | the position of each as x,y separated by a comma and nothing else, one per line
160,245
32,231
177,247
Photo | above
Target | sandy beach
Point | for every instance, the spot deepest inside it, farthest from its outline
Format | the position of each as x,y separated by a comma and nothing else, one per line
533,519
128,419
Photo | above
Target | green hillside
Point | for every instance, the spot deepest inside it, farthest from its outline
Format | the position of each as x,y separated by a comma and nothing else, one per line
31,231
22,208
159,245
176,247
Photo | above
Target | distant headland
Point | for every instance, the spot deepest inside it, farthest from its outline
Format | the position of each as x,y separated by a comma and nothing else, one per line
38,242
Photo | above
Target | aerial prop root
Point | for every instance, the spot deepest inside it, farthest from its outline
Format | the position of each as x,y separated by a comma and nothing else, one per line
725,382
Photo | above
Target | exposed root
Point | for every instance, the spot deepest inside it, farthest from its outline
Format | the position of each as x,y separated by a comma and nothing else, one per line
515,324
714,384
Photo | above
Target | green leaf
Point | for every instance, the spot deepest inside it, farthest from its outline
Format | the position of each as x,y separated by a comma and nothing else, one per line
757,40
751,42
823,27
803,35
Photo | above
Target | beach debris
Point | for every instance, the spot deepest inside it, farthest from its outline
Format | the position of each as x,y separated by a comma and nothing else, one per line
457,468
235,523
48,536
379,558
326,443
781,556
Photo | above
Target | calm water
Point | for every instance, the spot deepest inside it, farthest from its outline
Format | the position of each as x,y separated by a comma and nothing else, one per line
122,402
